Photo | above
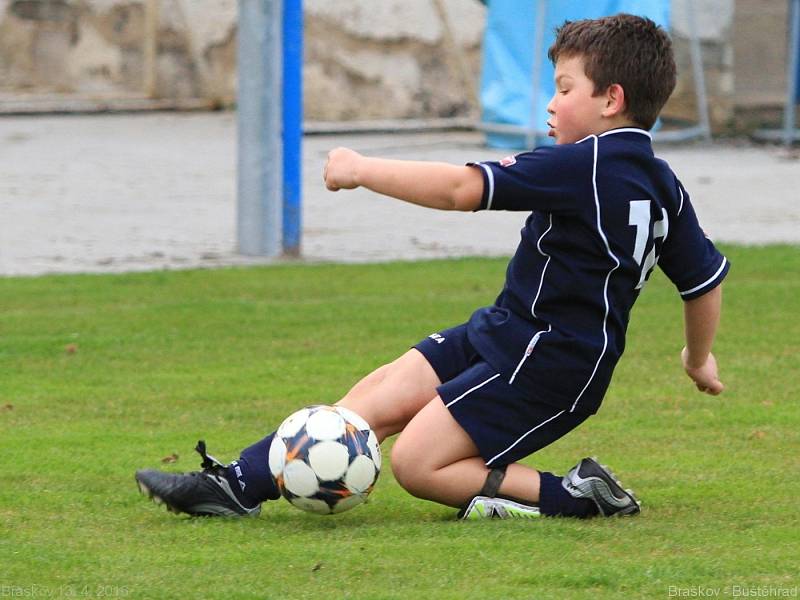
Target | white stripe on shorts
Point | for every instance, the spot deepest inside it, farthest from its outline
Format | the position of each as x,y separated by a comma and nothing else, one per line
469,391
523,436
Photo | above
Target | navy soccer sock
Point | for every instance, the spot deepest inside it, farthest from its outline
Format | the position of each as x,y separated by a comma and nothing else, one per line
555,501
250,477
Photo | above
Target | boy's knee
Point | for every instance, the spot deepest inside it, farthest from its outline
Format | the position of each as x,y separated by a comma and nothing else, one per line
408,470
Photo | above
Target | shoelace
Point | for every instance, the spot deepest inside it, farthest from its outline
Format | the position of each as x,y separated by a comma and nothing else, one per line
209,464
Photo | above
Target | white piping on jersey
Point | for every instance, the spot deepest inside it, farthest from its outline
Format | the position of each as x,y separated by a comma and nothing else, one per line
490,178
613,131
626,130
680,208
529,351
661,228
469,391
535,338
608,276
544,269
523,436
707,281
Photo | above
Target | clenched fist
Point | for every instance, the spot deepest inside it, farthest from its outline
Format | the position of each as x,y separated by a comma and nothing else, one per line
341,169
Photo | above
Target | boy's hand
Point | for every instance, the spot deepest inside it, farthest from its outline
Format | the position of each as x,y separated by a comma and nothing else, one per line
340,169
705,376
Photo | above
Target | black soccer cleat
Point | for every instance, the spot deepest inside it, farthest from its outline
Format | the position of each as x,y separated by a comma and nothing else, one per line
203,493
589,479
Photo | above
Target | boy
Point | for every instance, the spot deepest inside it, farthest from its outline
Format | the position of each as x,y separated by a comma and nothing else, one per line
522,373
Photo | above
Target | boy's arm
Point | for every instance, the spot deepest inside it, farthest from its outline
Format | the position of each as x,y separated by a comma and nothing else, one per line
701,317
431,184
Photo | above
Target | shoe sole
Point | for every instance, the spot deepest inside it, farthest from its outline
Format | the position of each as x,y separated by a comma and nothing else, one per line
157,500
637,505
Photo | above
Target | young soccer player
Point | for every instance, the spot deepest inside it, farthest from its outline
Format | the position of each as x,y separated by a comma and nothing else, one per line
469,402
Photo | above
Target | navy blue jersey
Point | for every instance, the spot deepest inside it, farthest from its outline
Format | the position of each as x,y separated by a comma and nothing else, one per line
604,212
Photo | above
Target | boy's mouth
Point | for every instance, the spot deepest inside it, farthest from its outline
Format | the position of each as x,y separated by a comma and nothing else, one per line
551,130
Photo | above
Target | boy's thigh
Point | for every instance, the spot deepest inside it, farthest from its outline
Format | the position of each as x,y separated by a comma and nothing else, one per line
505,424
432,440
389,397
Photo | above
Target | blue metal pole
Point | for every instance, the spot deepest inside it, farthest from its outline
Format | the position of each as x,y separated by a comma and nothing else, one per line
292,124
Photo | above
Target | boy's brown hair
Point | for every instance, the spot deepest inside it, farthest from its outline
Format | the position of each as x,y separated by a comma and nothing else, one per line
625,49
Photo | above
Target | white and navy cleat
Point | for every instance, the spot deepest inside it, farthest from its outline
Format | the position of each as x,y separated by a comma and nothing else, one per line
589,479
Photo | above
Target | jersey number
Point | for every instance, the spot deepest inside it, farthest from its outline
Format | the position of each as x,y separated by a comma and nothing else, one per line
639,217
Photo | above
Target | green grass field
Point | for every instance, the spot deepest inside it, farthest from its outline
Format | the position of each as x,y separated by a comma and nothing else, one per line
101,375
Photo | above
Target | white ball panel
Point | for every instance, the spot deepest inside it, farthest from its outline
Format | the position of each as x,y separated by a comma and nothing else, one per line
360,475
277,456
293,423
374,449
348,503
325,424
311,505
353,417
329,460
299,479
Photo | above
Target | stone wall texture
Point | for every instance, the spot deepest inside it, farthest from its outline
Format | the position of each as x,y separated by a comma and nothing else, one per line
364,59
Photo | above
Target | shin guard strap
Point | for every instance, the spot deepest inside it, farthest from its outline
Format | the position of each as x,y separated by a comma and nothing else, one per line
493,481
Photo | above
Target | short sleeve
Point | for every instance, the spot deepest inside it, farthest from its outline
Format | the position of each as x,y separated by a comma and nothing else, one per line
689,258
551,179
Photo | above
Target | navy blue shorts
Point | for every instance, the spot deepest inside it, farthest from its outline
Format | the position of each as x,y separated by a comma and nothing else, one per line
504,423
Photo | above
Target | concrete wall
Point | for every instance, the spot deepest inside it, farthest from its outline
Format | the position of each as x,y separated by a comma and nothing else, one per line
367,59
713,24
95,47
759,46
745,48
364,59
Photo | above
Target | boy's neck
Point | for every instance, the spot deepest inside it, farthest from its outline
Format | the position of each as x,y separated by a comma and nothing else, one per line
618,123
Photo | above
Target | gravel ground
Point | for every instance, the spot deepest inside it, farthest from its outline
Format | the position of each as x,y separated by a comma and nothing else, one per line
110,193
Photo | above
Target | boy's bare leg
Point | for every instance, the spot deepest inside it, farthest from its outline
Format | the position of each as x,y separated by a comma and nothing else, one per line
389,397
435,459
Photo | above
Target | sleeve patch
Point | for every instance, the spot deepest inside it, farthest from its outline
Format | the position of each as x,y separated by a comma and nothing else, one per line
508,161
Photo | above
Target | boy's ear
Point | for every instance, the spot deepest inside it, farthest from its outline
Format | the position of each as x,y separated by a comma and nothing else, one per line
615,100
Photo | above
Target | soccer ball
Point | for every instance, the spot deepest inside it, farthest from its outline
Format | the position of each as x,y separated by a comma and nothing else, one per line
325,459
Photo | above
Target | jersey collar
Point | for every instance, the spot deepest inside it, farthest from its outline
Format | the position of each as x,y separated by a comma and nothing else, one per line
626,130
618,130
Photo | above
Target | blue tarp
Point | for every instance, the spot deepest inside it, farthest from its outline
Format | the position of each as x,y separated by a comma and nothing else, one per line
507,92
